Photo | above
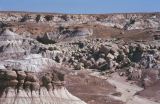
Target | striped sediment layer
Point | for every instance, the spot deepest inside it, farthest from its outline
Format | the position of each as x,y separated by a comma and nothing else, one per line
21,87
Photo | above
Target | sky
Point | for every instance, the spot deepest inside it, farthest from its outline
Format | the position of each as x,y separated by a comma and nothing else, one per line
81,6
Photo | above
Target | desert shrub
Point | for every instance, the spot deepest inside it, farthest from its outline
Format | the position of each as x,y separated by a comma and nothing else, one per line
25,18
48,17
38,18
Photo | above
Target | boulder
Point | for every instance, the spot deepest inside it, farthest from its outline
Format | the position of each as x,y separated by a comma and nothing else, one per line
100,61
12,83
46,79
157,37
88,64
110,56
114,49
141,47
21,75
92,60
32,78
120,57
102,55
8,83
11,75
20,83
104,49
104,67
79,66
27,84
126,49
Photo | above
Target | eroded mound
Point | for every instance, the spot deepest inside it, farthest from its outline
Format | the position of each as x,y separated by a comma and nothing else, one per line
25,87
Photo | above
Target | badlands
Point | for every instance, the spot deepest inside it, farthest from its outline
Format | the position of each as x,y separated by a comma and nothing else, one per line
51,58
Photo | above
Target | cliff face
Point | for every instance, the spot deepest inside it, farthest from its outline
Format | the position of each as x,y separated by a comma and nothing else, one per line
23,87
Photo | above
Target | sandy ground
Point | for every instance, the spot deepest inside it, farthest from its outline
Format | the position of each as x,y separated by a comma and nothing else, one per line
128,91
91,89
152,92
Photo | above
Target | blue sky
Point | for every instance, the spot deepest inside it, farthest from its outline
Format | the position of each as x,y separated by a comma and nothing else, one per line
81,6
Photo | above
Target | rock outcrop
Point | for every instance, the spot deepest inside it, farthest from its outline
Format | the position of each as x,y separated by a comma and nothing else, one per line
128,21
27,87
29,75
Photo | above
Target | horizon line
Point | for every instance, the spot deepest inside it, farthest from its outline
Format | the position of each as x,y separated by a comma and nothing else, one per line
39,12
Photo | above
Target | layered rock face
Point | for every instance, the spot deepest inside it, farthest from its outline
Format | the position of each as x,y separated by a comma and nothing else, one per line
27,77
23,87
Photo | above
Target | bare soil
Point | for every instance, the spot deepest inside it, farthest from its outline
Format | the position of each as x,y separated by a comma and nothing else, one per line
91,89
152,93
